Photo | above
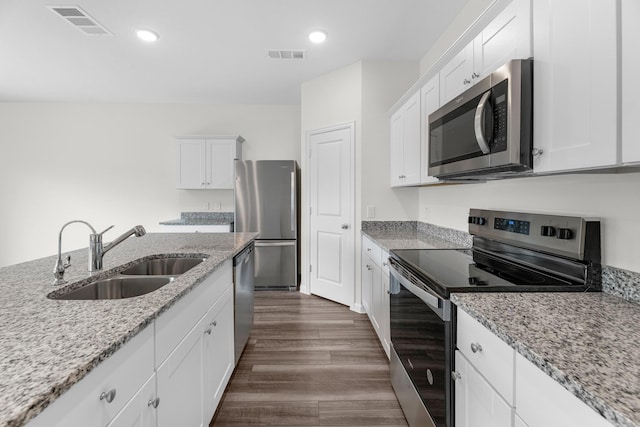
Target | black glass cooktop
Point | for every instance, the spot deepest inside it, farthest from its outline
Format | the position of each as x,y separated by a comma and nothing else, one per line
453,270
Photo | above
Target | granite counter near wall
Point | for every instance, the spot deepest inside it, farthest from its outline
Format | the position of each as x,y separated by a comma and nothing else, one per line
201,218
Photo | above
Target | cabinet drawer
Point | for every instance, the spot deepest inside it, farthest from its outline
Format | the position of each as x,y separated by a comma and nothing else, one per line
372,250
491,356
174,324
536,390
125,372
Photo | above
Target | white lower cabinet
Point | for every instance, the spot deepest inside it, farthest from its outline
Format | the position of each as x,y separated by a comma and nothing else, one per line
542,401
218,358
141,409
495,386
477,402
375,286
173,373
97,398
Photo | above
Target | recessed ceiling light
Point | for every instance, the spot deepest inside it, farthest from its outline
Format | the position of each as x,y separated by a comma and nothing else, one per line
317,36
147,35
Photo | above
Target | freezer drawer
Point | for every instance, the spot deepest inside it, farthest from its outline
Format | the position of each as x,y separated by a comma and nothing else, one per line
275,264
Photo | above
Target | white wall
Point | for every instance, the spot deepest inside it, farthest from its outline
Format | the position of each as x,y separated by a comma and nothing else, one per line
613,198
114,164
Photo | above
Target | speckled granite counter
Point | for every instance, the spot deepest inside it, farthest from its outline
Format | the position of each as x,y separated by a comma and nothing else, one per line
413,235
201,218
587,342
49,345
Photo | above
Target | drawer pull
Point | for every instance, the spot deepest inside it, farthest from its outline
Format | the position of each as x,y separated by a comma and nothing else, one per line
208,331
214,323
109,395
455,376
154,402
476,348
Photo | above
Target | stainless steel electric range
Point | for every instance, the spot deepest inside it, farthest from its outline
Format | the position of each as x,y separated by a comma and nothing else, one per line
511,252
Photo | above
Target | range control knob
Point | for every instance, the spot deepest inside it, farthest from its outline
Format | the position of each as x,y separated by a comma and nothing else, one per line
565,234
547,230
478,220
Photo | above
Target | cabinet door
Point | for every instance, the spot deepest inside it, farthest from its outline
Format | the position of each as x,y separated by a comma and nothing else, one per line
430,102
630,82
218,357
455,76
366,277
385,317
411,146
536,390
191,163
507,37
396,147
376,300
476,402
575,87
180,383
220,155
141,409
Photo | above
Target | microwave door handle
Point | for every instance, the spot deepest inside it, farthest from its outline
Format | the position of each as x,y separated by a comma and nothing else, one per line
479,123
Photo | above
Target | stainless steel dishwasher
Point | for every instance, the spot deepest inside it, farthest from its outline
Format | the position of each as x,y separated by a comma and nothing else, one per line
243,270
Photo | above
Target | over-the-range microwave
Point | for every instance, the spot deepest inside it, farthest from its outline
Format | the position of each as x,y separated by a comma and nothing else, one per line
487,131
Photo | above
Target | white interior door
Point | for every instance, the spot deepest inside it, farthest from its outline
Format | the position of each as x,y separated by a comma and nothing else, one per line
331,202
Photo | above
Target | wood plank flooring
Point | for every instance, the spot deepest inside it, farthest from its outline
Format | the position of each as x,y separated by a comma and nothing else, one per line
309,362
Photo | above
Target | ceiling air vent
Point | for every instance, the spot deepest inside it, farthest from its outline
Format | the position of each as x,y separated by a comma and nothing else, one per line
80,19
286,54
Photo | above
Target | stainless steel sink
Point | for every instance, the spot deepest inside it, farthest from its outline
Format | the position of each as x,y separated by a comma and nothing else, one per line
163,266
116,287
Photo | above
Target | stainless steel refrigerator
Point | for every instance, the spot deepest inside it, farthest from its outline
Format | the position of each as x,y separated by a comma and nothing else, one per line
267,202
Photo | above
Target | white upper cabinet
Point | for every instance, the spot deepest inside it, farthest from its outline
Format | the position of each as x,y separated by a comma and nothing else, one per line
207,162
575,84
506,37
430,102
630,83
405,144
456,75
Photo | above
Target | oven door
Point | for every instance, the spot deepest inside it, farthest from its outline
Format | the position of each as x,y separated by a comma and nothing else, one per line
421,353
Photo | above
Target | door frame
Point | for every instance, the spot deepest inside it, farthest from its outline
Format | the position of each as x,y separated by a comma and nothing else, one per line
305,286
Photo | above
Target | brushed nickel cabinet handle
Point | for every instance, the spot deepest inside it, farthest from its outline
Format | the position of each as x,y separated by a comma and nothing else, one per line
109,395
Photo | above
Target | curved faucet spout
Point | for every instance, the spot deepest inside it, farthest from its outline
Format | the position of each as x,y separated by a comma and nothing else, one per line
60,267
97,251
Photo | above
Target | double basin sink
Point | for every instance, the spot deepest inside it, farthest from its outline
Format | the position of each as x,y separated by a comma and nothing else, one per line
139,279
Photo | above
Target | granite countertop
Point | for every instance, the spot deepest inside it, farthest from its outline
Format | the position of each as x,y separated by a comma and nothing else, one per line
201,218
49,345
587,342
412,239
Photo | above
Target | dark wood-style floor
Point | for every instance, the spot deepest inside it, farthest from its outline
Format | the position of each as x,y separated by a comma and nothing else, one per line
309,362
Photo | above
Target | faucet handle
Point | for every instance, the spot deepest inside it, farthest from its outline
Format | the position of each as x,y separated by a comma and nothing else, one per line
106,229
67,262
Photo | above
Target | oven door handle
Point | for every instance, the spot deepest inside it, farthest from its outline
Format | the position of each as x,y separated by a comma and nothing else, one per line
479,123
437,304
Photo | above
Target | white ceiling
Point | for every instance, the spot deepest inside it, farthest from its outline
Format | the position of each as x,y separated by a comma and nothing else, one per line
210,51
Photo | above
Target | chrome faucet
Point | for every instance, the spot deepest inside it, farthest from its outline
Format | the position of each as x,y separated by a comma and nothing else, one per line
96,249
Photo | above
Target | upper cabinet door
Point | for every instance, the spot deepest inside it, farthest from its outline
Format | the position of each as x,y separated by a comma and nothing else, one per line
396,148
575,87
191,163
630,82
430,102
507,37
221,154
456,75
411,157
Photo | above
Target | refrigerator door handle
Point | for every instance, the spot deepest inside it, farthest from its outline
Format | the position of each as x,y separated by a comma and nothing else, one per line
288,243
293,201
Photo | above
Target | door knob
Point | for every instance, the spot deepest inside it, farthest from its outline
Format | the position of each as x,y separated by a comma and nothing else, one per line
345,226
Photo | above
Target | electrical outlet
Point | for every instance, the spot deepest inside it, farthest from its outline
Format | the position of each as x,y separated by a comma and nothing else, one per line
426,213
217,206
371,212
207,206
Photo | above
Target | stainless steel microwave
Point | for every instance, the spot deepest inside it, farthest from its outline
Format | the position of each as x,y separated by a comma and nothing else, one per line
487,131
